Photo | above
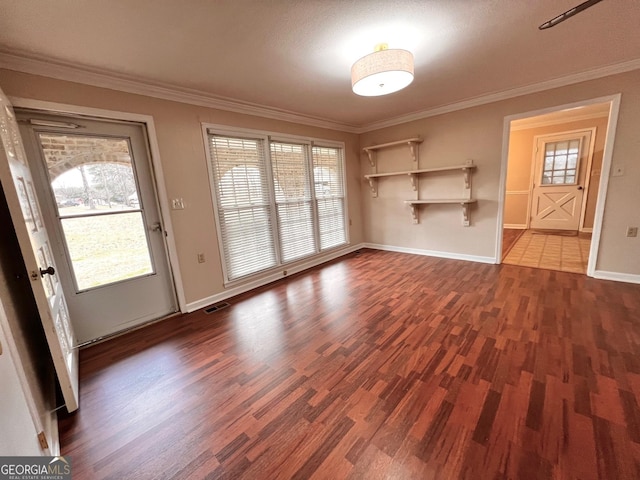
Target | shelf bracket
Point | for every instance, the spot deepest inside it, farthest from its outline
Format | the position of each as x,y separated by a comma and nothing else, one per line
465,214
467,178
414,213
413,146
467,175
373,185
414,181
372,156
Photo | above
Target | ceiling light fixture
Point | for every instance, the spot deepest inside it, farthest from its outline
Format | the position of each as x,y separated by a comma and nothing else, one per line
382,72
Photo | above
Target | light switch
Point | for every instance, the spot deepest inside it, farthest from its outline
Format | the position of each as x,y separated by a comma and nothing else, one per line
177,204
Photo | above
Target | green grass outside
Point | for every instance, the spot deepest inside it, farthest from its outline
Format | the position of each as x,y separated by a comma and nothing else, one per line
107,248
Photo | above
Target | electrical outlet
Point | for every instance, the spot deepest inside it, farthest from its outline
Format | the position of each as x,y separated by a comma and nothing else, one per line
284,273
632,231
177,204
201,258
618,171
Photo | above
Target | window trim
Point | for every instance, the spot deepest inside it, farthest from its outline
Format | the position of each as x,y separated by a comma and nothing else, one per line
267,137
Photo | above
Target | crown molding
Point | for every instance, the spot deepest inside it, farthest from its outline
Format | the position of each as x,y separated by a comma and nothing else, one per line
507,94
557,121
106,79
124,83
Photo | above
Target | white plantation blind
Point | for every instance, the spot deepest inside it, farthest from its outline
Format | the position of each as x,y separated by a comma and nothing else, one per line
244,206
277,200
329,192
290,167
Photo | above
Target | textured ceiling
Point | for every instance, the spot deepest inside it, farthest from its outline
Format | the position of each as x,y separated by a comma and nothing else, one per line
296,55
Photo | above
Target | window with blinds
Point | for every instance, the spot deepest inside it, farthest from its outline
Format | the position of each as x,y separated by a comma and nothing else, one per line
289,165
276,201
244,206
329,192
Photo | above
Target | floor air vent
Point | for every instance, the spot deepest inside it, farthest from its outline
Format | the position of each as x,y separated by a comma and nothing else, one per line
216,307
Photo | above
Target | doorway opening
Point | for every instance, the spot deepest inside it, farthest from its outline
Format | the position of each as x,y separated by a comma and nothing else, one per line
553,180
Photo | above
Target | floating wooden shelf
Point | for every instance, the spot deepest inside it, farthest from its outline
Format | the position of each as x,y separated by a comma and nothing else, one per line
464,202
372,177
441,200
411,142
413,175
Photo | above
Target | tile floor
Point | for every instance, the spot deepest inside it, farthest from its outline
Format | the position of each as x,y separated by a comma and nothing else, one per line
567,253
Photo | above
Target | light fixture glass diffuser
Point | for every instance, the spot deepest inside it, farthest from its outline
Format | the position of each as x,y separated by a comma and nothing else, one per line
382,72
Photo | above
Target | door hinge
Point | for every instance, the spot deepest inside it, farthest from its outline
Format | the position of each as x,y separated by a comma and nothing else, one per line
42,438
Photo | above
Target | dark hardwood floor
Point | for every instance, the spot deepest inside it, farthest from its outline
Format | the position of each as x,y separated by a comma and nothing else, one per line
379,365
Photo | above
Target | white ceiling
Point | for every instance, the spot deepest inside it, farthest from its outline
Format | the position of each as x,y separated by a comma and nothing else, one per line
296,55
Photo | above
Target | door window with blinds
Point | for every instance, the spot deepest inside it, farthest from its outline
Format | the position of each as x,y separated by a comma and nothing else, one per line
276,201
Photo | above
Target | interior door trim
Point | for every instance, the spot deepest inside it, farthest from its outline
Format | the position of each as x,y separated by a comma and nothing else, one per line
607,157
158,178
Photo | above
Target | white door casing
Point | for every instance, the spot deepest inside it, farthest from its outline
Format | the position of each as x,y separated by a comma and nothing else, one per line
558,181
17,423
110,307
35,247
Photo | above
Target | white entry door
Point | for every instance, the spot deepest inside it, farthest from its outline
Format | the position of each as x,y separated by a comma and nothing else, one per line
36,249
96,183
558,185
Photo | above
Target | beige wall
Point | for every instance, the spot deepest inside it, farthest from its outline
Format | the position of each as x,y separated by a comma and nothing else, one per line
449,139
521,148
182,152
477,133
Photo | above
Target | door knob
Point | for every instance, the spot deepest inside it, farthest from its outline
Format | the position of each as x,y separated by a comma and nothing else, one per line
48,271
580,187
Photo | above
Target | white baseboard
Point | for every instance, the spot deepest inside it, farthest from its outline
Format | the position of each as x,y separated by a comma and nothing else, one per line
245,287
430,253
616,276
515,226
54,436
